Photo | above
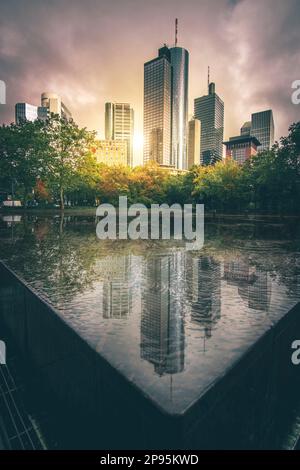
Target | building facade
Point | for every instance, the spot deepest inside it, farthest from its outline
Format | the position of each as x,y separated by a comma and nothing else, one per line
194,142
119,125
246,128
158,108
111,152
29,112
54,104
180,76
262,127
241,148
209,109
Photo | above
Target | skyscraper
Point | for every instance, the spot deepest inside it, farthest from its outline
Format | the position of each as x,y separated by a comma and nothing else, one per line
246,128
25,112
241,148
180,73
209,109
29,112
262,127
54,104
157,108
119,125
194,142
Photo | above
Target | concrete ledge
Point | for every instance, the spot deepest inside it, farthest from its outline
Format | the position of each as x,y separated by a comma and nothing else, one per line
241,410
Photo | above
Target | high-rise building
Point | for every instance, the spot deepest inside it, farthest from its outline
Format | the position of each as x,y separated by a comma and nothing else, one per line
241,148
25,112
29,112
54,104
119,125
111,152
246,128
209,109
180,75
262,127
194,142
158,108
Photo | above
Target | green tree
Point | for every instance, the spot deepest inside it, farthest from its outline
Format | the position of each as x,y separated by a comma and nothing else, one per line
69,148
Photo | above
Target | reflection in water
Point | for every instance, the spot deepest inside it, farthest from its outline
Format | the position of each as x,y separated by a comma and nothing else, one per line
162,330
168,318
205,287
254,285
118,289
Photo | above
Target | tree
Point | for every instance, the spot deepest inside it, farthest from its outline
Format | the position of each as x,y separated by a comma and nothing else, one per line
69,148
23,153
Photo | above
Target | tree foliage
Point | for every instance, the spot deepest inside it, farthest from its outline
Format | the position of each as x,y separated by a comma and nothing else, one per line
53,161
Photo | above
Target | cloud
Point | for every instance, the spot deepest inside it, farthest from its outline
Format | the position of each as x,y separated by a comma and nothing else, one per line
93,51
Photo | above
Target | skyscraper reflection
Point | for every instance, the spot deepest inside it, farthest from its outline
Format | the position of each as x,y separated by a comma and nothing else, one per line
119,286
254,286
162,327
204,285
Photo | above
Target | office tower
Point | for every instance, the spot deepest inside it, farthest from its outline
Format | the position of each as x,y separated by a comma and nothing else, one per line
209,109
180,75
246,128
25,112
157,108
119,125
29,112
262,127
194,142
43,112
111,152
241,148
54,104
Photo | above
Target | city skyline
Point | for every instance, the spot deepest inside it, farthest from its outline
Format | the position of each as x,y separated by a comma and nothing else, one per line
252,71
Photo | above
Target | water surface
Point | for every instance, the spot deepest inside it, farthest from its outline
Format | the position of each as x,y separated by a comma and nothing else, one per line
172,321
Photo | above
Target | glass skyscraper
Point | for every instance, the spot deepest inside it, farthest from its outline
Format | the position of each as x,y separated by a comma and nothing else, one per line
119,125
180,72
262,127
157,108
209,109
29,112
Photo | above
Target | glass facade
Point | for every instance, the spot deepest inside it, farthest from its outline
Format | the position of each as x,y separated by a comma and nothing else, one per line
180,71
209,109
157,108
119,125
262,127
194,139
25,112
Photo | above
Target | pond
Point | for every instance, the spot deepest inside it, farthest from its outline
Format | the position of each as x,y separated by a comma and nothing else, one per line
171,321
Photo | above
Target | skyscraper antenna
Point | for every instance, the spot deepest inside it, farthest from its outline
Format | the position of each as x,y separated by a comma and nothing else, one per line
208,77
176,31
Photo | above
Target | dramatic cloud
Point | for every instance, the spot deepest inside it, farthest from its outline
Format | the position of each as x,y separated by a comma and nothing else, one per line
92,51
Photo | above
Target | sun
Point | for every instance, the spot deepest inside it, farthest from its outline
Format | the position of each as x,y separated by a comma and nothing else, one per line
138,140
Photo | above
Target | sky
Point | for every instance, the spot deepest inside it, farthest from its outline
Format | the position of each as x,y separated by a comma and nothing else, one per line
93,51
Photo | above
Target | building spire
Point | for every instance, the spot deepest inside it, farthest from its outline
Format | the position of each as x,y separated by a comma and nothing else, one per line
176,31
208,78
